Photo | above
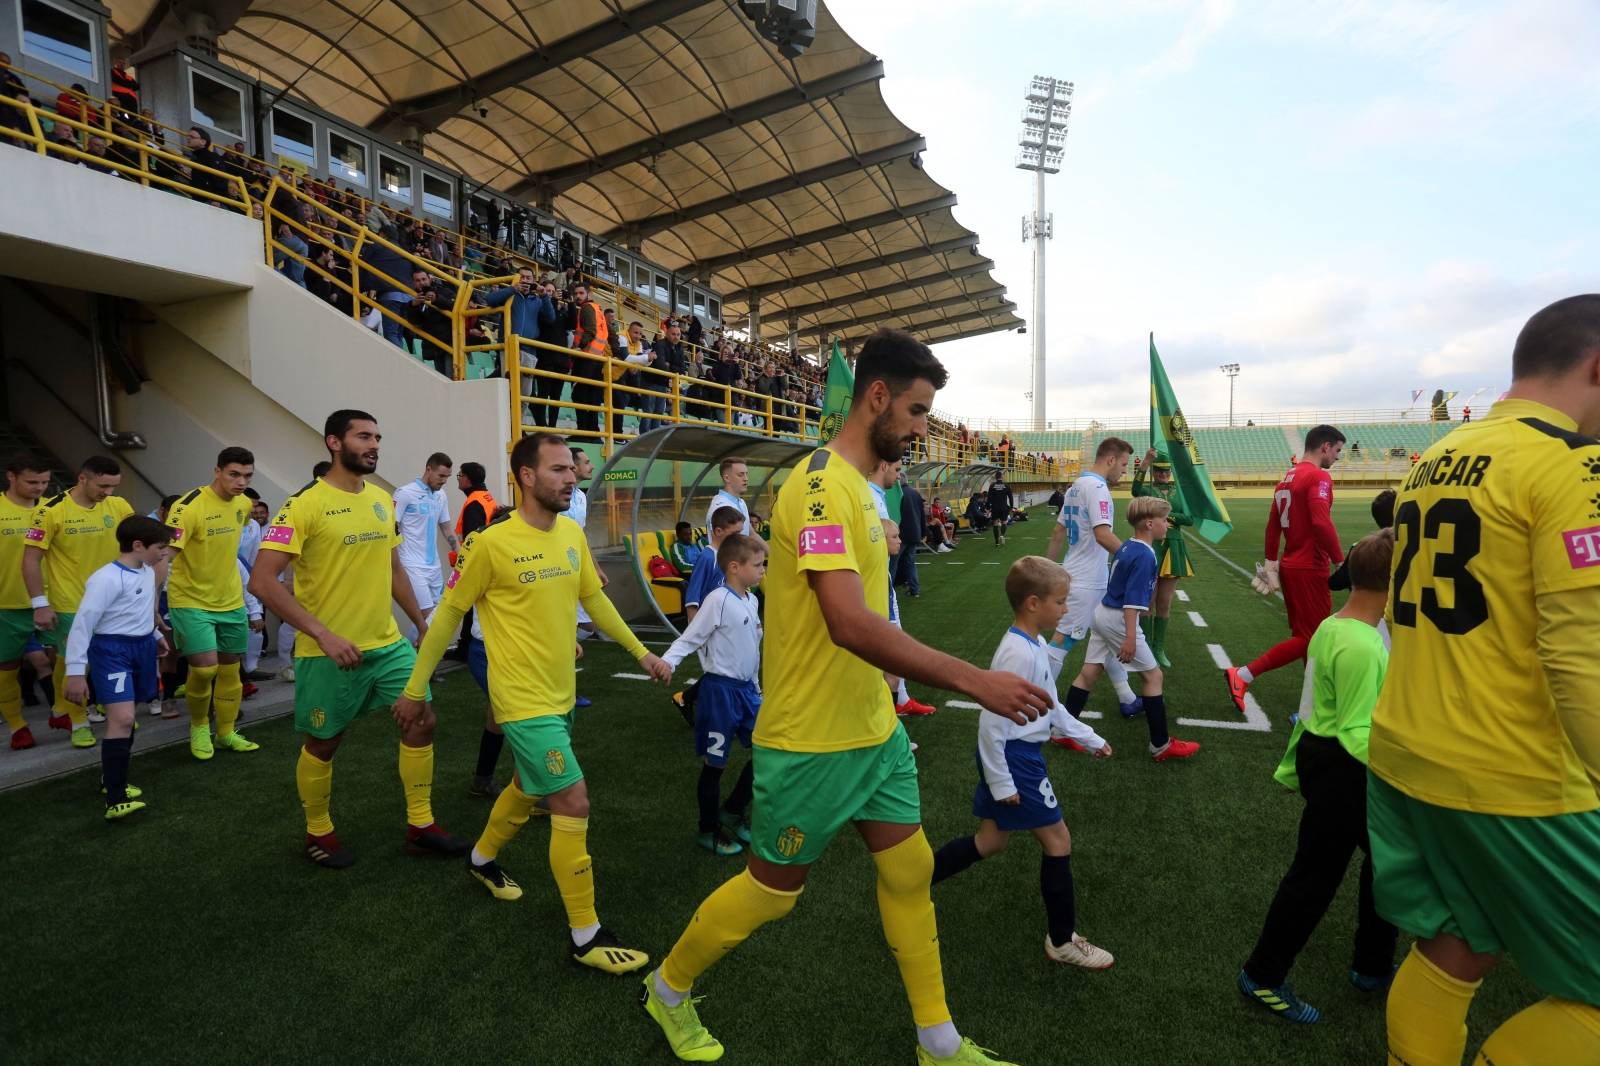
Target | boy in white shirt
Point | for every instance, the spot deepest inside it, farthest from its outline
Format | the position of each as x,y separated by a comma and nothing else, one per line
113,648
726,631
1014,790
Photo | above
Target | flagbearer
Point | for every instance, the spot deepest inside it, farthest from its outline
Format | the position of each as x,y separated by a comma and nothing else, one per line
1172,555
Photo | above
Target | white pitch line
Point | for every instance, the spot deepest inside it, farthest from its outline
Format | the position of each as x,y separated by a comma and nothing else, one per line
1255,719
1200,623
1229,563
1182,595
954,562
634,677
988,564
964,705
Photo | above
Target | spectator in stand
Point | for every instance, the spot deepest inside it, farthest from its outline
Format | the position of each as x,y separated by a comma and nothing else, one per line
330,283
670,356
205,172
591,339
74,103
697,333
430,319
382,269
12,118
97,148
725,372
636,350
10,80
286,264
558,331
65,136
532,312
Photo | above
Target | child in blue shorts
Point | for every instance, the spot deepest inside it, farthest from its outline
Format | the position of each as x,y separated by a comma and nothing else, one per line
1014,790
726,631
112,650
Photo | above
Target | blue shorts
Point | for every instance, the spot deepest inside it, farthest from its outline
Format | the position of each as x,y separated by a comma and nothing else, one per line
1025,760
123,669
724,709
478,663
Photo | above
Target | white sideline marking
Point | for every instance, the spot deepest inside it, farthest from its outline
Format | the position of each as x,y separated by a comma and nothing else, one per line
1230,564
1255,719
1182,595
988,564
954,562
1091,714
634,677
1200,623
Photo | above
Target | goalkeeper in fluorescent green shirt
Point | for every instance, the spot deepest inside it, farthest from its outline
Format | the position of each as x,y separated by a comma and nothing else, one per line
1327,763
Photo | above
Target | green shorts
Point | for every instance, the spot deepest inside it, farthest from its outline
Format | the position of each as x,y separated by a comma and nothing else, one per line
198,630
542,750
803,798
1526,886
16,630
327,699
57,637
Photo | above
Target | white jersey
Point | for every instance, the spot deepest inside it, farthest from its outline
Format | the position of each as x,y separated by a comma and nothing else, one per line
116,600
1026,657
724,498
726,631
422,514
578,510
1087,506
880,497
249,548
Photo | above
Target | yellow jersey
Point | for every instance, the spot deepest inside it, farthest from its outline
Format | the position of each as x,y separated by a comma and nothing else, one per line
525,585
76,541
205,542
1493,516
15,521
343,544
815,695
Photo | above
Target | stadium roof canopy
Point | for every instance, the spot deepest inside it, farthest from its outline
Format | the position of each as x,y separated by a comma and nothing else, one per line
669,126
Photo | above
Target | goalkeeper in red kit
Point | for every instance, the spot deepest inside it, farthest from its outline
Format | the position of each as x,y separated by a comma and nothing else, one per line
1301,507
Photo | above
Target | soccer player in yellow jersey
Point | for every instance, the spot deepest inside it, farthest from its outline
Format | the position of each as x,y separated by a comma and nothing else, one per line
525,574
205,597
1485,745
828,749
340,533
26,479
73,535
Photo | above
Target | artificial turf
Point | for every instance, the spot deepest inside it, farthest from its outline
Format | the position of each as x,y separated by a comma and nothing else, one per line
195,932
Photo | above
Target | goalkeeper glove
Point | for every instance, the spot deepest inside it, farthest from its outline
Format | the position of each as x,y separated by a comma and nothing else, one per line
1266,579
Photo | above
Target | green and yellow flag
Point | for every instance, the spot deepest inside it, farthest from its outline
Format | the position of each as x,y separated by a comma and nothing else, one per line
836,399
1170,435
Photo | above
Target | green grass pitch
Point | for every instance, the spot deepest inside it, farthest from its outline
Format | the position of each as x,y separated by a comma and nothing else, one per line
196,933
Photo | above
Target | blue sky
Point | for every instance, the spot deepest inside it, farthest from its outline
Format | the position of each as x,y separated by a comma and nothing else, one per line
1351,199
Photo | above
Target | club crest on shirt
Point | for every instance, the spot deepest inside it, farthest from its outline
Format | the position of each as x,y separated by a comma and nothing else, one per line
572,557
107,521
790,841
377,509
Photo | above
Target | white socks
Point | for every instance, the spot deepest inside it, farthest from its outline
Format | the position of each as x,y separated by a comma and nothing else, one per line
669,995
479,858
1124,691
584,933
941,1041
900,694
1245,675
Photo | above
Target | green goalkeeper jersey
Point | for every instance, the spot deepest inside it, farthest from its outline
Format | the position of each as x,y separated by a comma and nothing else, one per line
1345,665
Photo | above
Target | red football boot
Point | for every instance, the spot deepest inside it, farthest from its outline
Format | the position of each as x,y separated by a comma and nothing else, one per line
914,709
1177,749
22,739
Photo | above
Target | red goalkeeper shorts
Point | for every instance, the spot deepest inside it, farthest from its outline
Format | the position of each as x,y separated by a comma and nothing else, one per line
1306,595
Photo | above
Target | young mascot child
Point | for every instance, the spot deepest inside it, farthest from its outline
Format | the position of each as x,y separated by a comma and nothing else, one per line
726,631
706,576
1114,632
113,647
1014,790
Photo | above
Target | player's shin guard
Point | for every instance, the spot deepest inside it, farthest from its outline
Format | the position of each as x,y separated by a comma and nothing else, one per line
416,774
708,790
115,754
506,819
1055,883
11,699
954,857
1280,654
1427,1014
489,746
743,787
1155,716
1077,699
738,907
197,694
228,690
1552,1030
75,711
905,873
1117,673
313,779
573,869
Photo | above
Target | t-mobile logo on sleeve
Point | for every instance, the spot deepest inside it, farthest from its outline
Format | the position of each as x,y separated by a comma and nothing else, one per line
822,540
279,535
1583,546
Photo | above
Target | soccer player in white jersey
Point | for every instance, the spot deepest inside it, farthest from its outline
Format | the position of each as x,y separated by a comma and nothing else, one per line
423,514
880,482
1084,528
735,482
579,513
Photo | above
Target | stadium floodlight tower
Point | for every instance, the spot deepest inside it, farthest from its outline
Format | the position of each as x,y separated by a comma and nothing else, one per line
1045,112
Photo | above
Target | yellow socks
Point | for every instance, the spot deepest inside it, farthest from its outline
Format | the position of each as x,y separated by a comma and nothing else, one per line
1427,1014
725,920
314,779
573,869
905,874
197,694
229,691
509,815
11,699
416,774
78,714
1552,1030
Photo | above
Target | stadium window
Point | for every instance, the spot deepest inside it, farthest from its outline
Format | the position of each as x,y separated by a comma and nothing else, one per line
394,178
59,37
438,195
681,298
662,291
347,160
293,140
699,304
624,273
714,309
216,105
